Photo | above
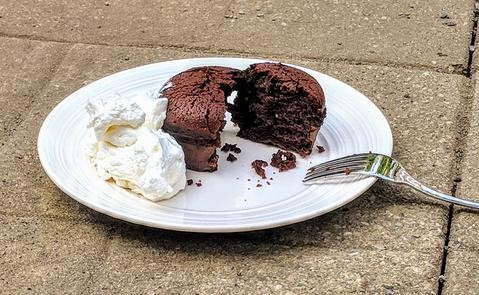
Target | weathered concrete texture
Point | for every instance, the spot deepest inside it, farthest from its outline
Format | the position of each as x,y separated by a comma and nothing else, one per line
47,256
142,261
377,221
427,33
469,186
26,66
114,22
462,267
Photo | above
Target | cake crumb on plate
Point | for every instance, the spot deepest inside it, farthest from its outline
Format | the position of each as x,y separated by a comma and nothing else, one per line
283,160
258,166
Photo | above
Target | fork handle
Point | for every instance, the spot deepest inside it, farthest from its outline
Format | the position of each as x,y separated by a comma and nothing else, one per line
403,177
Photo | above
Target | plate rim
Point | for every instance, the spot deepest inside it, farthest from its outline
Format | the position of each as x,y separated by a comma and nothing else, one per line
224,228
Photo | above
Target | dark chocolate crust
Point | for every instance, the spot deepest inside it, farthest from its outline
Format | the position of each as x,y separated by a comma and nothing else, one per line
196,101
196,110
279,105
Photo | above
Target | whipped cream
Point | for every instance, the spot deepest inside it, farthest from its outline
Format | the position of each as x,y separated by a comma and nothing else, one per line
129,146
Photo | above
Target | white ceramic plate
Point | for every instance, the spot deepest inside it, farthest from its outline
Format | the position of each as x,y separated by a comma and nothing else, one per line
229,199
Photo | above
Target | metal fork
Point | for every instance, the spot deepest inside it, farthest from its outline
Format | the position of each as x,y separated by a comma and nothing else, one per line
380,166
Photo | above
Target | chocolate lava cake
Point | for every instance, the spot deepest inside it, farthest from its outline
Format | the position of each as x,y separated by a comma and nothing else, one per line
275,104
278,105
196,111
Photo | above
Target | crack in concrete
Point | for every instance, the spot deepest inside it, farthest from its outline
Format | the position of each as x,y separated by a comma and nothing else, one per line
458,69
37,90
472,45
462,126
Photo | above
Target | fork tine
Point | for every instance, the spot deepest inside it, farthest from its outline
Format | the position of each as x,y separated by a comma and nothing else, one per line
336,171
346,159
329,166
338,168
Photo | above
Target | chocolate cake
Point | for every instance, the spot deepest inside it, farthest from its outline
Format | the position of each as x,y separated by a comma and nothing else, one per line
278,105
196,111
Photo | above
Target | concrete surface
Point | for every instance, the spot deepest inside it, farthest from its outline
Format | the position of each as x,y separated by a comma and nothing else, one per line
48,255
26,67
409,33
463,258
388,241
423,33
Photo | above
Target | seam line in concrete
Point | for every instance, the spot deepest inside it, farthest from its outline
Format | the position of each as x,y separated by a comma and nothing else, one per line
42,84
53,71
463,125
472,45
458,69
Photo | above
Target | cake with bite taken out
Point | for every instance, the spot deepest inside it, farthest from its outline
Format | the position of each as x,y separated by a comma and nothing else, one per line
279,105
275,104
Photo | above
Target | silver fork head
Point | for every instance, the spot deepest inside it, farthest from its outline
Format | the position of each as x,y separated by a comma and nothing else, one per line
366,163
380,166
345,165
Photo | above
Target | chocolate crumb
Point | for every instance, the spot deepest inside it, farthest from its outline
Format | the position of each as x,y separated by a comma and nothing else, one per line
320,148
237,178
283,160
258,185
268,183
271,178
198,184
347,171
249,179
248,188
230,148
189,182
258,165
226,147
231,158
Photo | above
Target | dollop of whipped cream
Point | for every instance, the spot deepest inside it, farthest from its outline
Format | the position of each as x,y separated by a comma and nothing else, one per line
129,146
